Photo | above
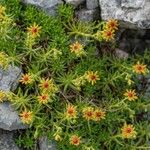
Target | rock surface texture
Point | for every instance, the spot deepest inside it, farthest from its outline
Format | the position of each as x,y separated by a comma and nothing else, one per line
44,144
47,5
75,3
7,141
9,119
132,13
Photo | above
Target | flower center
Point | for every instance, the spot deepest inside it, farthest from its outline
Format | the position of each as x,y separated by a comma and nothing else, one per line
139,68
109,33
128,130
93,77
98,114
46,85
26,116
76,47
70,111
44,97
89,113
75,140
34,30
130,94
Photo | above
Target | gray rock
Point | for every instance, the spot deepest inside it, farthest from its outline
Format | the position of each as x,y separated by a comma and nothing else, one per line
121,54
9,78
9,119
88,15
7,141
75,3
92,4
47,5
45,144
132,14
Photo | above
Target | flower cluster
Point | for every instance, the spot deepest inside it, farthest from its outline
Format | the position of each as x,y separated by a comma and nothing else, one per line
75,140
90,114
128,131
90,76
26,116
32,33
107,94
140,68
77,48
130,95
109,30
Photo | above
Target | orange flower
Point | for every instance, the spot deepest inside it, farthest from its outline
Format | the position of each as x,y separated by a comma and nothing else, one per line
139,68
108,34
26,117
34,30
71,111
47,85
43,99
75,140
112,24
128,131
88,113
92,77
99,114
131,95
26,79
77,48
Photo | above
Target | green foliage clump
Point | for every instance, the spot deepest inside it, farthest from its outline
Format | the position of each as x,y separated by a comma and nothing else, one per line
73,89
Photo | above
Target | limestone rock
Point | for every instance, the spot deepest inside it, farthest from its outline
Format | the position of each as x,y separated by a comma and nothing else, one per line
88,15
9,119
47,5
132,14
92,4
121,54
44,144
7,141
75,3
9,78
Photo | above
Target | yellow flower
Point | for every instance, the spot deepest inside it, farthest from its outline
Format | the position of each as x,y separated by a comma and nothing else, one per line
131,95
75,140
2,96
26,117
26,79
128,79
88,113
108,34
77,48
99,114
128,131
79,81
57,137
48,85
71,112
92,77
2,10
4,60
140,68
34,30
112,24
43,98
